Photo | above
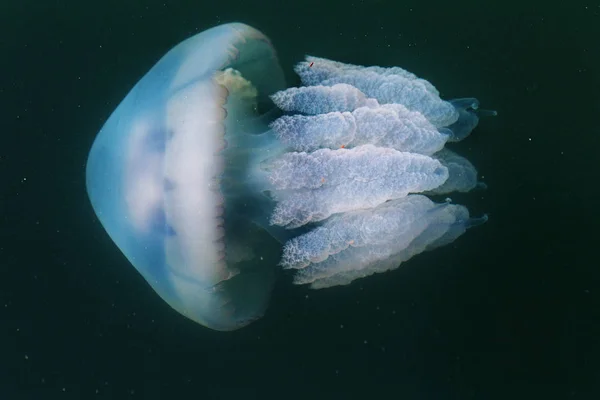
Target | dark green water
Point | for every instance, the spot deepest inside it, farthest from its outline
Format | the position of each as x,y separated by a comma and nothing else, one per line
509,311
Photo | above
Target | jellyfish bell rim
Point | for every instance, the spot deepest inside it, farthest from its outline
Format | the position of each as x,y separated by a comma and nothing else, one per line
136,146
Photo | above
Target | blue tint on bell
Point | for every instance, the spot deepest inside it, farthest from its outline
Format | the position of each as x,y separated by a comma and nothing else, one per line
191,178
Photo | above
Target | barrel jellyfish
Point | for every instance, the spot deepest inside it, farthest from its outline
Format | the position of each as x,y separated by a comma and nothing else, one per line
211,174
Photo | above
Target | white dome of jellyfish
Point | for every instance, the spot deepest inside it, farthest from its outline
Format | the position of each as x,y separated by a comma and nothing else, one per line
210,158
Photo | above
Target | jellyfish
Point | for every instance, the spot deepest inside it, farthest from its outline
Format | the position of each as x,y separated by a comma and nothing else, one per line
211,175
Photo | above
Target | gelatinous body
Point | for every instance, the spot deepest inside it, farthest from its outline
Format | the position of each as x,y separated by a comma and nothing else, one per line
196,172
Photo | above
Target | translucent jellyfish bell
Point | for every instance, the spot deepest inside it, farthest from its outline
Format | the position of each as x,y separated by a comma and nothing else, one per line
155,172
195,171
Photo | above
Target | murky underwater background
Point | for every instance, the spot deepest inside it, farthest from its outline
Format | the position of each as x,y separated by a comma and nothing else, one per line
510,310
